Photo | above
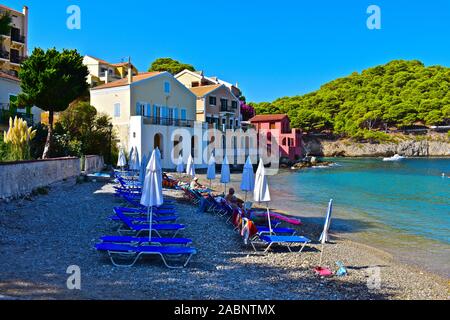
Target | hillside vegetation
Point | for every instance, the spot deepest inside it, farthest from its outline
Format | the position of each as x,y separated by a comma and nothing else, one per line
364,105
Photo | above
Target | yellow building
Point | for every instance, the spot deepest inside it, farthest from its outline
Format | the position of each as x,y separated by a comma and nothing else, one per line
217,100
217,106
157,97
101,71
14,46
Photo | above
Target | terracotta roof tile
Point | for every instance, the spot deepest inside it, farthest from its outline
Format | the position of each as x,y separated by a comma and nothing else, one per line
124,81
204,90
268,117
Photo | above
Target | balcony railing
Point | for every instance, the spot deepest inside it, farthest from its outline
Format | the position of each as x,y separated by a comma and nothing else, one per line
5,114
17,59
4,55
226,109
169,122
18,38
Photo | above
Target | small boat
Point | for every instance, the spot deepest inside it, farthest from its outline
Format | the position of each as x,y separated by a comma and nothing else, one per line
395,157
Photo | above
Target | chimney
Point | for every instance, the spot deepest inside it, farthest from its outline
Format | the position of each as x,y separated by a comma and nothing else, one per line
25,29
130,72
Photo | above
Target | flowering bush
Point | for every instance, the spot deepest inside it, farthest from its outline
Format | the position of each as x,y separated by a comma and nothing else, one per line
247,111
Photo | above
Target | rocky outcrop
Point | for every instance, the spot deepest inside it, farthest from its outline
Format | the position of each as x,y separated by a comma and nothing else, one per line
436,146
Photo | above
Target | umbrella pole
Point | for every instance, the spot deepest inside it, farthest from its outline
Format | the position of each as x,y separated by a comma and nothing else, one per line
150,216
225,190
321,253
268,218
245,198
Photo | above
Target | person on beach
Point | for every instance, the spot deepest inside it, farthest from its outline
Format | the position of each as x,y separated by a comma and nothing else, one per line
195,184
233,200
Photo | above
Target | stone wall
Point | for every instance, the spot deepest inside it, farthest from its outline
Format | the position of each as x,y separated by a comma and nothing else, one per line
93,163
21,178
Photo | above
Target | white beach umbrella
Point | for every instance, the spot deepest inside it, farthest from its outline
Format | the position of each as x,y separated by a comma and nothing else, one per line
190,167
152,191
122,160
248,177
134,162
211,172
180,164
326,226
261,191
225,173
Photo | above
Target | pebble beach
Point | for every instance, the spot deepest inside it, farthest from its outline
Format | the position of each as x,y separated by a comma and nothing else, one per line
42,235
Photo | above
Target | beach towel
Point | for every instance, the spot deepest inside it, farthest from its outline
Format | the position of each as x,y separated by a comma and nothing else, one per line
248,229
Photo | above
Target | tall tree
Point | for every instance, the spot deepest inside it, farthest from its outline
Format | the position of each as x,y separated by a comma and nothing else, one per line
169,65
51,80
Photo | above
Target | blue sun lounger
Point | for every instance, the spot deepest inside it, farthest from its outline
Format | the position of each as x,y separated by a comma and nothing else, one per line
128,226
156,219
144,240
136,203
133,253
288,241
143,213
264,230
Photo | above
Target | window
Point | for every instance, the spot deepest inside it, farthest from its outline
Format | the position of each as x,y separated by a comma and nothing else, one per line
117,110
272,125
231,123
212,101
237,123
234,104
195,84
223,103
166,87
183,114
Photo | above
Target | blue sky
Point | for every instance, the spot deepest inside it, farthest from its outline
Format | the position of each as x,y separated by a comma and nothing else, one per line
271,48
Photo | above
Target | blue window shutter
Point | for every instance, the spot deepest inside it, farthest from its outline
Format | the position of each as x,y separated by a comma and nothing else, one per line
138,111
183,114
155,113
149,110
175,113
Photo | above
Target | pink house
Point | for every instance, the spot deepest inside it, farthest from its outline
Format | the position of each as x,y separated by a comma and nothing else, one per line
278,127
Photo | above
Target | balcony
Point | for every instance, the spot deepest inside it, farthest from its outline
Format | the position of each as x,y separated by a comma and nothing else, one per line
17,59
226,109
170,122
6,113
4,55
18,38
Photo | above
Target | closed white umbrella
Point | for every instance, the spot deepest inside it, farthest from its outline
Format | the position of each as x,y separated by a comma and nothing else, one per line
134,162
152,191
122,160
180,164
190,167
225,173
326,226
130,157
211,172
248,177
261,191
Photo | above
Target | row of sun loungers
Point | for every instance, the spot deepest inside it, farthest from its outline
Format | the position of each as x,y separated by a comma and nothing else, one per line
126,248
259,235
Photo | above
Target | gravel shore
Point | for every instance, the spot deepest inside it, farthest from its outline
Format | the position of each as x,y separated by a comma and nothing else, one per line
40,237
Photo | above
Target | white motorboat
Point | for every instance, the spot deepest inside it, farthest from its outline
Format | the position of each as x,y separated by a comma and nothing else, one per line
395,157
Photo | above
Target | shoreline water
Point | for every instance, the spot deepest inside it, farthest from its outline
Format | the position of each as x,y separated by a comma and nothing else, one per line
350,229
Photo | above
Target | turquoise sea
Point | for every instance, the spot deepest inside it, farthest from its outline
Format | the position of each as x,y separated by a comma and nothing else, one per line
402,207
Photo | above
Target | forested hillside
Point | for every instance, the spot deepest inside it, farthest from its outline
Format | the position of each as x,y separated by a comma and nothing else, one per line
363,105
